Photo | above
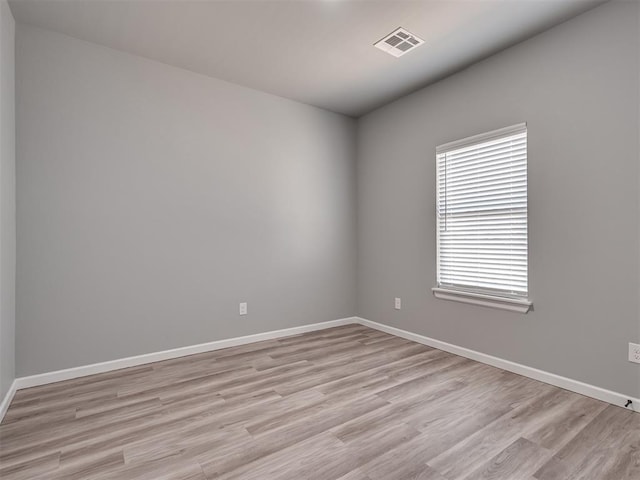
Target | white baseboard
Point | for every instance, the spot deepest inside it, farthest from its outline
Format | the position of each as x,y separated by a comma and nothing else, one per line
546,377
4,406
598,393
76,372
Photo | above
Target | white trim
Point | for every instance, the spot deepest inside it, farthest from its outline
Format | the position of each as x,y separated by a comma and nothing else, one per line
482,137
519,305
592,391
540,375
76,372
4,406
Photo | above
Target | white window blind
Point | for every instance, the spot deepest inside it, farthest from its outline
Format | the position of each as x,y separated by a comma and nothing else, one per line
482,213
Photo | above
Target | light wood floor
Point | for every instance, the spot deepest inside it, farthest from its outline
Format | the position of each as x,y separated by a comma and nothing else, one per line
348,403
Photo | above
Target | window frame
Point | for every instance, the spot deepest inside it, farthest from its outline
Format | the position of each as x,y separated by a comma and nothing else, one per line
478,296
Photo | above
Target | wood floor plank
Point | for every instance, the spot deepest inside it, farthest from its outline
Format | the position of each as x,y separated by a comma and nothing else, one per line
606,448
463,458
346,403
46,464
517,462
354,475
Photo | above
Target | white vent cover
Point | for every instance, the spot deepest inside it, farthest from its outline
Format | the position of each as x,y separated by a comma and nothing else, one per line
398,42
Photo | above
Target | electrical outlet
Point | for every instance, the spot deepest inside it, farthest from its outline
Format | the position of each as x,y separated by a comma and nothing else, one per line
634,352
243,308
398,304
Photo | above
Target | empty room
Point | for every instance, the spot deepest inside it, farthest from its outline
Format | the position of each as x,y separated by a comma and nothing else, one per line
319,240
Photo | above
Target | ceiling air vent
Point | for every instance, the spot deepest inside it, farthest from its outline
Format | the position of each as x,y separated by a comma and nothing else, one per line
398,42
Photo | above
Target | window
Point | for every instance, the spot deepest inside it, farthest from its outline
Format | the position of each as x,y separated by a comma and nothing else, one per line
481,212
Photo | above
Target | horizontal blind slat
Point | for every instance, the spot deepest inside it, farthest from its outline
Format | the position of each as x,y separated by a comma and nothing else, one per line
479,149
515,181
497,158
494,172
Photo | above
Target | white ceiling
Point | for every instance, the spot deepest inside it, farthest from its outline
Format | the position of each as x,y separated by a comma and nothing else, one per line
318,52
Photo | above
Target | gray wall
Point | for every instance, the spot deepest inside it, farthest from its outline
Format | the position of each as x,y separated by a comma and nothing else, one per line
152,200
577,88
7,199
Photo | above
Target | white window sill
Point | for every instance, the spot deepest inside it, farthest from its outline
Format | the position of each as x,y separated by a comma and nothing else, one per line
493,301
